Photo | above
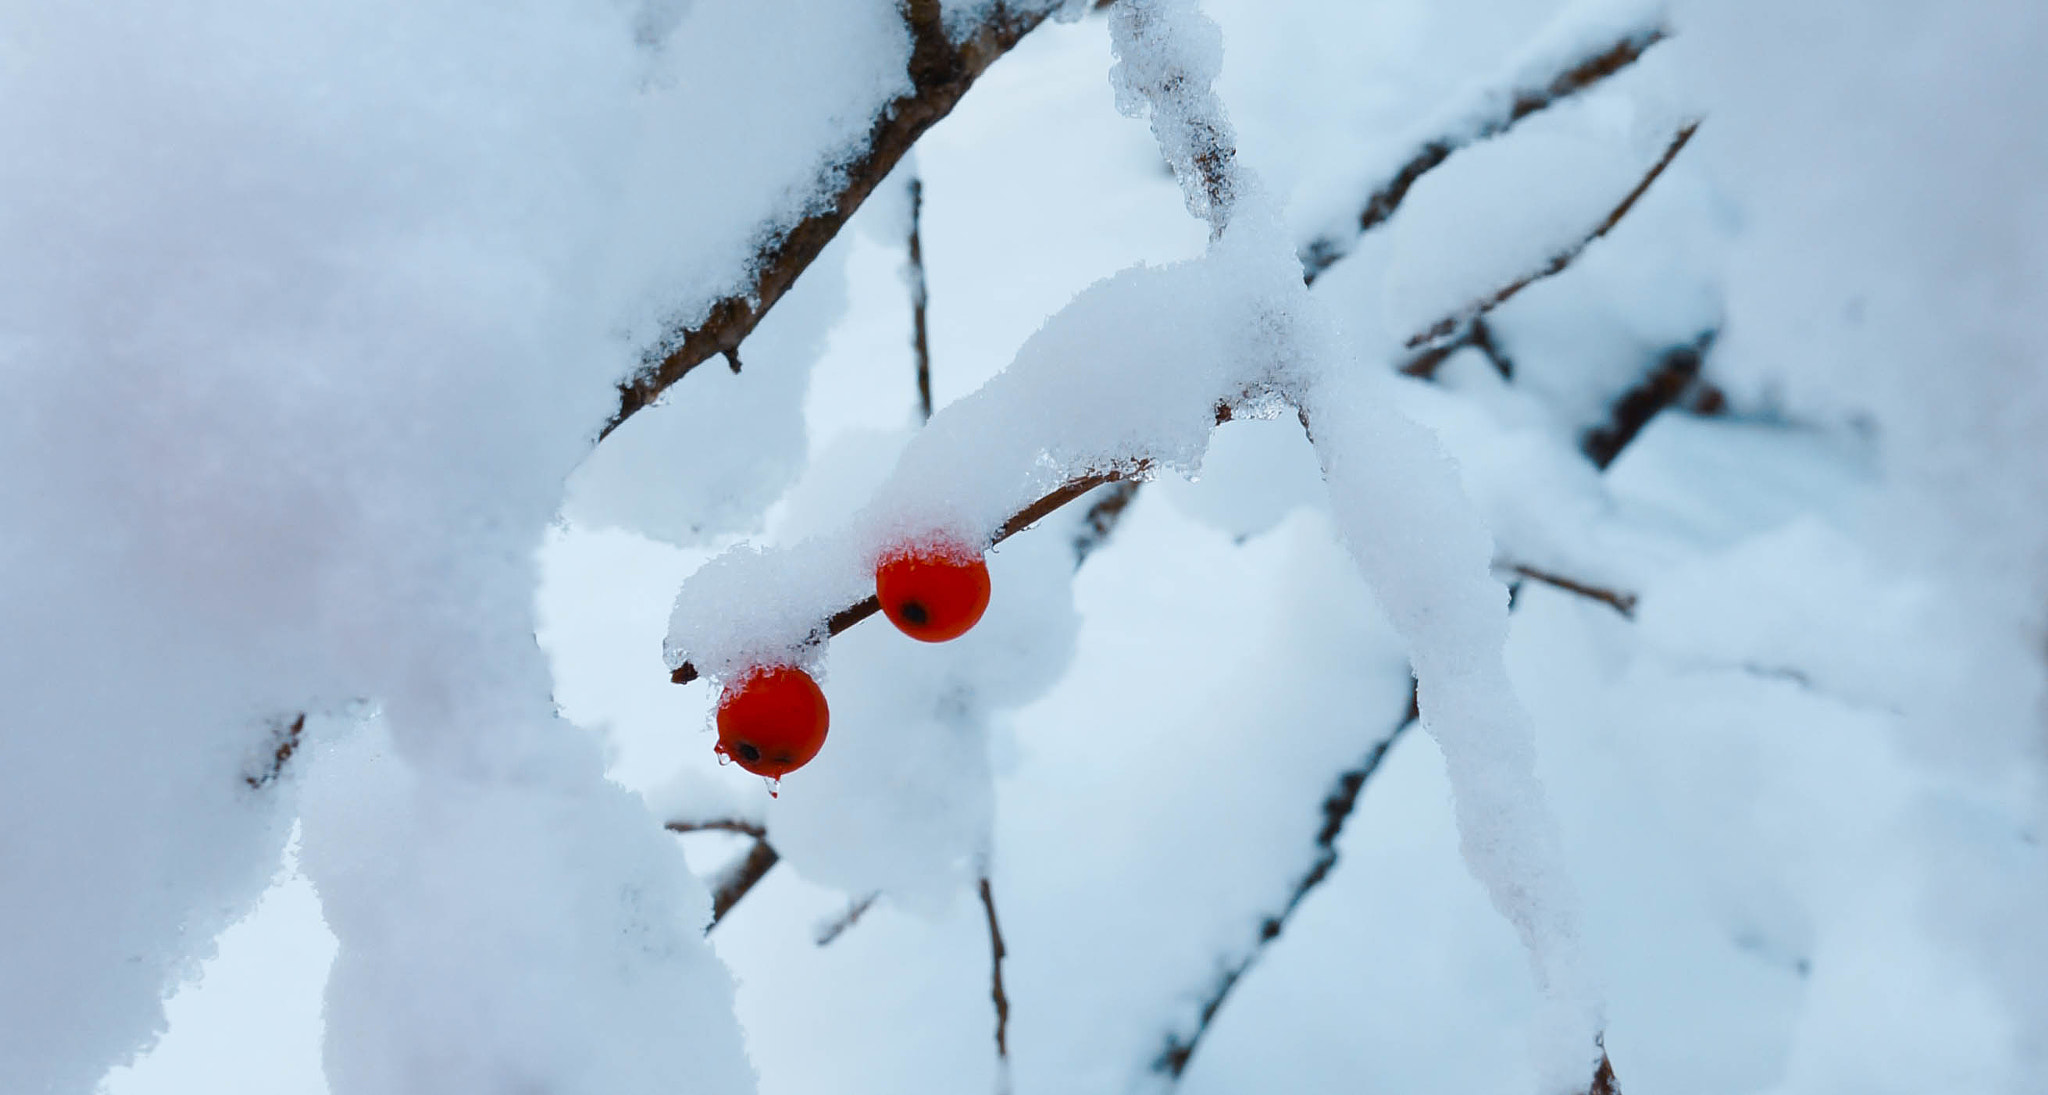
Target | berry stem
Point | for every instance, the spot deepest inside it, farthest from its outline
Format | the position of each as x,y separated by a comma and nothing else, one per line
1030,515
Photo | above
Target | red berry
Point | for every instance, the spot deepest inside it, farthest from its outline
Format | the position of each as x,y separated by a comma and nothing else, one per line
933,592
771,720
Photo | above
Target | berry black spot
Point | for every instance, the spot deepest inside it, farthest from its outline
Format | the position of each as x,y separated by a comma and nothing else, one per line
748,753
914,613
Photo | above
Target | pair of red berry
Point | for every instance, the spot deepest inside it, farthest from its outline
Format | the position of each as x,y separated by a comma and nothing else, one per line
772,718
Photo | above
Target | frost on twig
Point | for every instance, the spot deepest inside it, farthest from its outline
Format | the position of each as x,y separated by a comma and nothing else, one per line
1168,56
1490,113
942,68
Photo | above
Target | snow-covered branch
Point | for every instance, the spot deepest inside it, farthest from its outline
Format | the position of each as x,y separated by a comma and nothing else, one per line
1446,329
1532,86
942,68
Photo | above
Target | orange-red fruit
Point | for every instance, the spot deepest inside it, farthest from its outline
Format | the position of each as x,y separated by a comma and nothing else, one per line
933,592
771,721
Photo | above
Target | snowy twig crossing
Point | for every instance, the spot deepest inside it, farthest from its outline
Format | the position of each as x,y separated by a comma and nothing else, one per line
1499,113
1447,328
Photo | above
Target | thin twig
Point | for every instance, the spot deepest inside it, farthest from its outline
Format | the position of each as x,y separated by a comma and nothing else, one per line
838,925
1450,325
1676,373
1337,807
760,859
1618,600
742,876
941,70
919,343
1583,72
1478,335
719,825
1193,131
995,979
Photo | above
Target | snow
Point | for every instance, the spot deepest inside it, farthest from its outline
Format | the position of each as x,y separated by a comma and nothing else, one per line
308,320
257,1003
1256,473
